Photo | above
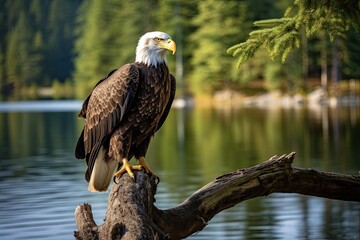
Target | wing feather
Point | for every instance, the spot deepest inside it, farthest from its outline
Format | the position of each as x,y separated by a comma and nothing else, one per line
105,107
82,113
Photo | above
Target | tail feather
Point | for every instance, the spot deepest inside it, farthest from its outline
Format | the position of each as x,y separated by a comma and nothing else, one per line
102,173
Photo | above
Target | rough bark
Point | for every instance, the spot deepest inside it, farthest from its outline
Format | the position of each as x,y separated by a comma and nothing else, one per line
132,215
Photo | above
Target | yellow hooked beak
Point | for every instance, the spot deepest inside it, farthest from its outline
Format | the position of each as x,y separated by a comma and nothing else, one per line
169,45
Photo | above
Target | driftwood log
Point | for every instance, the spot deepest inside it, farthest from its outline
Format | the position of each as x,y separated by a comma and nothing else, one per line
131,213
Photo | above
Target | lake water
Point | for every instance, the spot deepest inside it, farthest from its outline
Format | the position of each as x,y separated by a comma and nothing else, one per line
41,183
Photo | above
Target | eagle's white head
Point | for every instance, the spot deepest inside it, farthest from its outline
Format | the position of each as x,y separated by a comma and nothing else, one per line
152,47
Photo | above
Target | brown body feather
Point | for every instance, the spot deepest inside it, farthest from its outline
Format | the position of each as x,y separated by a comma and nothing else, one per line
123,112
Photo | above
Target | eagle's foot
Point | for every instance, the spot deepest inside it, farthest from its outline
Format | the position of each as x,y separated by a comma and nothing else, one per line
126,167
143,163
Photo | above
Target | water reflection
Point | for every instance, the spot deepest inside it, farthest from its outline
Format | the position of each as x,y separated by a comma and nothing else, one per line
41,183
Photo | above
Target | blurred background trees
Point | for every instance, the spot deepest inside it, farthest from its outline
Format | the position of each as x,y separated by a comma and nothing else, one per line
74,43
36,43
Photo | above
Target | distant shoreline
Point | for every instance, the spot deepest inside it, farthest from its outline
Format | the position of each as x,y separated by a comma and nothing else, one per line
222,99
318,97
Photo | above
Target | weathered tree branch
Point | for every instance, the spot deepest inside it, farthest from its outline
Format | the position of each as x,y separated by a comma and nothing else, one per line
132,215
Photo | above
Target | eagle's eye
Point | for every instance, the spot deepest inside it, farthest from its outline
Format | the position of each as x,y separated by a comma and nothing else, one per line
157,39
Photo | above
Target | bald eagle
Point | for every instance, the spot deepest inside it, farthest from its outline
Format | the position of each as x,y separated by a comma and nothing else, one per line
123,112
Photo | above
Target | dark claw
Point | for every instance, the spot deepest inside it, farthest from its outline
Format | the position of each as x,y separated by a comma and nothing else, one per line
133,178
157,181
114,179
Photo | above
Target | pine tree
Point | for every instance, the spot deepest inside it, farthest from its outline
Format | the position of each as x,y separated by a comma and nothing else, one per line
258,69
88,46
174,17
216,29
28,41
107,36
2,53
132,20
352,55
281,36
17,53
23,50
60,39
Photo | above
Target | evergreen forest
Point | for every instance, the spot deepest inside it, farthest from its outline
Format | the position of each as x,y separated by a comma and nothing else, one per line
61,48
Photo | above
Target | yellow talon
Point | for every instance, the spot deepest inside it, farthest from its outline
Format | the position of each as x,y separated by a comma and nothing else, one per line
143,163
126,167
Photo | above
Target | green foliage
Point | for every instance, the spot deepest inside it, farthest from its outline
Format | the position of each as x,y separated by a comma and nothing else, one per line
281,36
78,42
62,90
29,92
107,36
36,42
175,17
351,55
273,76
59,32
211,66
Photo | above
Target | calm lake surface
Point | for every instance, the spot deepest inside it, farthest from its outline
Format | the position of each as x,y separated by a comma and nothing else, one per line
41,182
